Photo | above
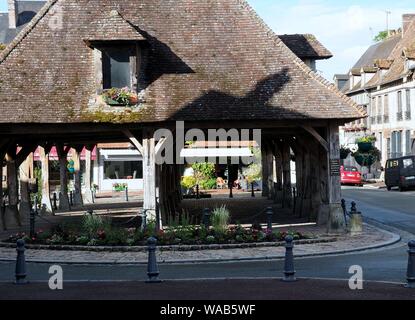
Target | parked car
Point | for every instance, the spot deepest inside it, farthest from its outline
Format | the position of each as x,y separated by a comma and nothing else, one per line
400,172
351,176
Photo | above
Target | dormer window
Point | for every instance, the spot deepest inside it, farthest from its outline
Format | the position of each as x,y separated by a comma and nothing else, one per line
119,59
118,67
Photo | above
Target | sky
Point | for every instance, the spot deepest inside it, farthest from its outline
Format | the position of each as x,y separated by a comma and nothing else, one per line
346,27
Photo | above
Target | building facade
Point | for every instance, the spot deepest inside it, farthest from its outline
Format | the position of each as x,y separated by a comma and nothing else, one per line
383,83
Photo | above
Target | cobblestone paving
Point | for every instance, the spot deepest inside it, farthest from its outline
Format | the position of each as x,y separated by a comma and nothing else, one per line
371,237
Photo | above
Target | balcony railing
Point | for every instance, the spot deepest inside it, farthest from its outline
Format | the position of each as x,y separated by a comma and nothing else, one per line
372,120
386,119
408,115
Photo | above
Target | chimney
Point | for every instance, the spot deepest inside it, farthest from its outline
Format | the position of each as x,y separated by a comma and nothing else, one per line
407,20
12,14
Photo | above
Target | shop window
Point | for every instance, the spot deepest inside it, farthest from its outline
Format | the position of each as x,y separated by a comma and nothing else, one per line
123,170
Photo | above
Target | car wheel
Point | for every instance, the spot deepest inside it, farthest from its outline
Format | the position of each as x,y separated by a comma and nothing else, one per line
389,188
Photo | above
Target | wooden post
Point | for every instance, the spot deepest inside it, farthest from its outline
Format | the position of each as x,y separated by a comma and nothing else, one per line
12,186
63,194
45,202
336,223
25,203
87,199
149,174
76,157
2,209
279,175
286,173
265,167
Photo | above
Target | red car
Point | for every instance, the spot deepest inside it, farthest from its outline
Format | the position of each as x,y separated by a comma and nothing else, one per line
350,175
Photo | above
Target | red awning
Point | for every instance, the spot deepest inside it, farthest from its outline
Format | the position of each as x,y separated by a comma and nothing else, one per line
53,154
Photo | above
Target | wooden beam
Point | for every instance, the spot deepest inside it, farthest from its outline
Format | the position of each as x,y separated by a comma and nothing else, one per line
316,135
24,153
134,141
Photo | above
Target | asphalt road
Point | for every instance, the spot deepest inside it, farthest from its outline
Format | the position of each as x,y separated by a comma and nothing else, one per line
393,208
235,290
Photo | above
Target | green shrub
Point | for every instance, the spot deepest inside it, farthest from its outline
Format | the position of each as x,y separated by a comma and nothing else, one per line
208,184
91,224
116,236
188,182
366,139
220,220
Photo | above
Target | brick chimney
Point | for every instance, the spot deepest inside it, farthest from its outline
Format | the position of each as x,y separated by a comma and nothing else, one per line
407,19
12,14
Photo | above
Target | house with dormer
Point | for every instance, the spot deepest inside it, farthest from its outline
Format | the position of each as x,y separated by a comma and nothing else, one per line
383,83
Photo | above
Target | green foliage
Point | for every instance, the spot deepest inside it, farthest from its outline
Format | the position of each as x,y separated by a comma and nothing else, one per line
92,224
188,182
208,184
203,171
220,220
253,172
383,35
116,236
366,139
2,46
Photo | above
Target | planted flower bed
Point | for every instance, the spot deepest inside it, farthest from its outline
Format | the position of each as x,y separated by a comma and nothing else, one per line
97,231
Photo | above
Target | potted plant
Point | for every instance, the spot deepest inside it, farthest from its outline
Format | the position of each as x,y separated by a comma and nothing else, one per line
120,97
366,143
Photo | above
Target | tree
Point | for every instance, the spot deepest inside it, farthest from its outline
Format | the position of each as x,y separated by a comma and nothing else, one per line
383,35
2,46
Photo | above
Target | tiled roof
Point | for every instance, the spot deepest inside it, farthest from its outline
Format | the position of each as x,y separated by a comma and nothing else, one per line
112,27
208,60
306,46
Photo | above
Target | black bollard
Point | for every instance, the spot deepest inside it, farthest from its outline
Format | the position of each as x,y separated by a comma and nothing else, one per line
270,214
55,200
206,218
289,272
411,266
152,268
230,191
252,190
71,198
126,194
353,209
20,263
197,192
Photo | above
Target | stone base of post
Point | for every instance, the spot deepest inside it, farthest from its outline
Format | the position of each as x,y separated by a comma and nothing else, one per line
336,223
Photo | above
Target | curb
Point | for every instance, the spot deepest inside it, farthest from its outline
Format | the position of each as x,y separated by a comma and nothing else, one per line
395,239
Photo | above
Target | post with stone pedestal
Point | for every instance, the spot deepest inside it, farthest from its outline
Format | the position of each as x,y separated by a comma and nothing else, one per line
152,268
289,271
270,214
356,221
20,272
411,266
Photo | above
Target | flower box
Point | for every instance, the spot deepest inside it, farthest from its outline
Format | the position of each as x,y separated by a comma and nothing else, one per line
120,97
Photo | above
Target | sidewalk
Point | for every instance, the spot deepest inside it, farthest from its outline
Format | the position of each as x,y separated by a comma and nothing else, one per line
242,289
372,237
